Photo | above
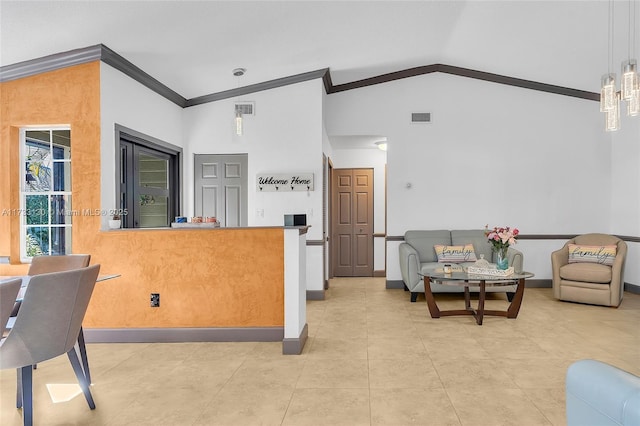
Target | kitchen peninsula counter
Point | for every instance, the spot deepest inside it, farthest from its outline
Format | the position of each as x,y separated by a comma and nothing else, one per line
215,284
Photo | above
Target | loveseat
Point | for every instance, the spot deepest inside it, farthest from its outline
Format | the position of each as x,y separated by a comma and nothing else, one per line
417,254
601,394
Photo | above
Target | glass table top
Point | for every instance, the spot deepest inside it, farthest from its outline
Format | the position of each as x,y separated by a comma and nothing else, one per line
459,277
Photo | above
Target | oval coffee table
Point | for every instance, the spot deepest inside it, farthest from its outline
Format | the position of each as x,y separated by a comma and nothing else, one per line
460,278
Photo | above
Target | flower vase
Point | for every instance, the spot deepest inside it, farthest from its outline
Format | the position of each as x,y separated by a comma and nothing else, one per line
501,259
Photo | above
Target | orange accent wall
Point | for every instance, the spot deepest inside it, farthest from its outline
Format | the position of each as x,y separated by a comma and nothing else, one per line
206,278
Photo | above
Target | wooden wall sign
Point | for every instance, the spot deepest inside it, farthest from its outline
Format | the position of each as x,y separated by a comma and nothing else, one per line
282,182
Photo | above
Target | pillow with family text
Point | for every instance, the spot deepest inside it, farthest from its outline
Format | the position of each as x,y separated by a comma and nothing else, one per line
455,254
592,254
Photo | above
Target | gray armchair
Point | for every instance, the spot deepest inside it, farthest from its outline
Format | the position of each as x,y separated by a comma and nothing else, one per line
591,283
9,290
58,263
46,327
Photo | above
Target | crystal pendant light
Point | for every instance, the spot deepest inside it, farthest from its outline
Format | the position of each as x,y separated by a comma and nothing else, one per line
629,83
612,116
633,104
608,98
238,122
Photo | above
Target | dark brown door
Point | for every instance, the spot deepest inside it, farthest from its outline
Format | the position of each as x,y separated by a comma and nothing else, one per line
352,218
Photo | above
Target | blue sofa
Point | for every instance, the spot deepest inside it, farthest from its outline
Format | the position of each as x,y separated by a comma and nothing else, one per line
599,394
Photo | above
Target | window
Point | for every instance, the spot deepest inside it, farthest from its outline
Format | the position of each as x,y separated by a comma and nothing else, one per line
45,196
148,180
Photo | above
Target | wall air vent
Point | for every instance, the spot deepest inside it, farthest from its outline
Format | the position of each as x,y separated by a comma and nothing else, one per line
421,117
246,108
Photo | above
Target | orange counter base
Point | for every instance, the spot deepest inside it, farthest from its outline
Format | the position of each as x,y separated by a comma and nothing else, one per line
205,278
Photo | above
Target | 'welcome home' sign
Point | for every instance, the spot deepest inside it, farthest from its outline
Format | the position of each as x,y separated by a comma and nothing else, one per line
285,182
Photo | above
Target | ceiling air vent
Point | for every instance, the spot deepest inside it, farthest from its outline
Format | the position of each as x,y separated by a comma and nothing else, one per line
421,117
246,108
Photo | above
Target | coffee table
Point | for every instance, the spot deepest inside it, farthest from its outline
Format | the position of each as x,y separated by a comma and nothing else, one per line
461,278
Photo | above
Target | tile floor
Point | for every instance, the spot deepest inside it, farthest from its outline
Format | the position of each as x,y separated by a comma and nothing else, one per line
372,358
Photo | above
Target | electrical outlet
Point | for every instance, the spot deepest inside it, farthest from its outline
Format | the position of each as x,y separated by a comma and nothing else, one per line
155,300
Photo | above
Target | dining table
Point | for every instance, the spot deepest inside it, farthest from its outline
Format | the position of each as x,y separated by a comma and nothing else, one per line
26,278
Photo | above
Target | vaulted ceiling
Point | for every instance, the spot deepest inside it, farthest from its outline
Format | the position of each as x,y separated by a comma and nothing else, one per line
193,46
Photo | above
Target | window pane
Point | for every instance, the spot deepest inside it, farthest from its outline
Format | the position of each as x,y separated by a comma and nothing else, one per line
154,211
61,209
37,209
62,176
61,144
153,171
38,176
60,240
42,136
37,241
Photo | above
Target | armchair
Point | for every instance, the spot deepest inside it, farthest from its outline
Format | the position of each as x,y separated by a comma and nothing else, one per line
59,263
8,292
46,327
586,282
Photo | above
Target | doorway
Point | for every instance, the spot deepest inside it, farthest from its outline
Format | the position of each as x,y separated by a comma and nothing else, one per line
352,222
148,179
221,188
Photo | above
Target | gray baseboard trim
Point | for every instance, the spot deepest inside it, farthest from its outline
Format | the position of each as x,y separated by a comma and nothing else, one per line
381,273
315,294
294,346
538,283
395,284
632,288
183,334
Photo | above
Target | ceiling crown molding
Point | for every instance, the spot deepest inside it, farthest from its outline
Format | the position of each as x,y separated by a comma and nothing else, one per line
99,52
469,73
50,63
118,62
271,84
108,56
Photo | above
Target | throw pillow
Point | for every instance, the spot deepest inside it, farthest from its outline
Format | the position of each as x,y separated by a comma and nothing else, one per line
604,255
455,254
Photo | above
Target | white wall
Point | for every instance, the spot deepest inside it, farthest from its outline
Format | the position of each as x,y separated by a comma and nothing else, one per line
284,136
126,102
493,154
625,190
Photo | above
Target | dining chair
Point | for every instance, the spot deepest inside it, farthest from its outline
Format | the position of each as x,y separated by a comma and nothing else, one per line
58,263
9,290
46,327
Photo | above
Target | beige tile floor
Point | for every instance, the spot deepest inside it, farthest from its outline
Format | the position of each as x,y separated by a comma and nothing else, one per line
372,358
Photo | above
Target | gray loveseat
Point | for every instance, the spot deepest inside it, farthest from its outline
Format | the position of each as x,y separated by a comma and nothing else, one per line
417,254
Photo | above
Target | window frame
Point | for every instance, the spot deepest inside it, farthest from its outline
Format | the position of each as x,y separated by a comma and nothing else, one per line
24,257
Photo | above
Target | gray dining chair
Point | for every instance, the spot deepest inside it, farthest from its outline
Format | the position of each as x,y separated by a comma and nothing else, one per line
9,290
46,327
58,263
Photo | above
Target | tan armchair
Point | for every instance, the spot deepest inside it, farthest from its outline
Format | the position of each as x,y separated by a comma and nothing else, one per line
591,283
